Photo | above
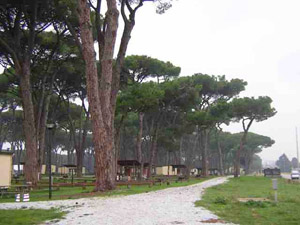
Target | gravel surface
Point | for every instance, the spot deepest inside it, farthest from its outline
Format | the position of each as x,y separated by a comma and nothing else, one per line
168,206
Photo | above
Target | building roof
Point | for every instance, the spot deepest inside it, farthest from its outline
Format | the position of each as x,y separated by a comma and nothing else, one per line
179,166
70,165
128,163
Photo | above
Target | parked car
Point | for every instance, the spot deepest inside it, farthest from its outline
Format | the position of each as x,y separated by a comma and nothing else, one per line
295,174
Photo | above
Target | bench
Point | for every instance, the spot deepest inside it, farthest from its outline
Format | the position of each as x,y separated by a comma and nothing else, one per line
130,183
182,178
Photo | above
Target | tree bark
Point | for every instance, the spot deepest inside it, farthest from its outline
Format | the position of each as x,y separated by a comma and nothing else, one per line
220,154
204,153
105,92
92,90
31,165
237,165
100,98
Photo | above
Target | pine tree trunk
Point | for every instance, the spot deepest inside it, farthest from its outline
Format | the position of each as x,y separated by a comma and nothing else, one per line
204,140
92,92
220,156
79,161
100,98
31,165
237,165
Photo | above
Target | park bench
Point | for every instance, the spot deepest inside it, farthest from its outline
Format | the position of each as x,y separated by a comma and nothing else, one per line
13,190
130,183
272,172
182,178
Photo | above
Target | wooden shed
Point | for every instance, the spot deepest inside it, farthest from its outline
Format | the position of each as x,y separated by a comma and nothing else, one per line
6,168
166,170
44,169
128,168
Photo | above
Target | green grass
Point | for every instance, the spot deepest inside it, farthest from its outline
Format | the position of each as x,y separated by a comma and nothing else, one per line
30,216
222,200
78,192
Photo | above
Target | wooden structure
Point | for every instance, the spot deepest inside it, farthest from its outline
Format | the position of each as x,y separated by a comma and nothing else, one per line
181,169
268,172
128,169
171,170
211,171
44,168
6,168
65,170
165,170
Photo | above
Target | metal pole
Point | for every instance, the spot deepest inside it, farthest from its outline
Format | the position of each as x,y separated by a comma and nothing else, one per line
72,176
49,166
297,148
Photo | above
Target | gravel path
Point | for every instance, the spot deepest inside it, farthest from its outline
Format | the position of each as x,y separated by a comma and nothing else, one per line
168,206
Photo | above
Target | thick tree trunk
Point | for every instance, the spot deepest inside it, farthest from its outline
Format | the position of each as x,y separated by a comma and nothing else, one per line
100,98
237,165
220,155
31,165
79,161
204,153
105,94
248,162
240,149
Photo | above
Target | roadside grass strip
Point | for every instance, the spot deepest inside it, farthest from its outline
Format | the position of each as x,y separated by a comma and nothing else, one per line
28,216
250,200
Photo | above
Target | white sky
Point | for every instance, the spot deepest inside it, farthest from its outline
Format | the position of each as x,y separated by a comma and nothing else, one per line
255,40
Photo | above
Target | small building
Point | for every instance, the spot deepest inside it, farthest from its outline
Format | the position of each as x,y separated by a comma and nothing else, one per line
128,168
166,170
6,168
275,172
147,171
181,169
44,167
65,170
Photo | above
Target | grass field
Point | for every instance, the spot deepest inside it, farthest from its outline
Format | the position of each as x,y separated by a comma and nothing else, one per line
28,217
223,201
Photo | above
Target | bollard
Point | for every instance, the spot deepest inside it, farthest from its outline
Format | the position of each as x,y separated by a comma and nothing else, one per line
26,197
17,197
275,187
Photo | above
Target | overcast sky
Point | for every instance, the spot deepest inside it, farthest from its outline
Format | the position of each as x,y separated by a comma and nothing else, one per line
255,40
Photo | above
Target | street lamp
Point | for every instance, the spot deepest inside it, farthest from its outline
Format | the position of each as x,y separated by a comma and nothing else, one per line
50,127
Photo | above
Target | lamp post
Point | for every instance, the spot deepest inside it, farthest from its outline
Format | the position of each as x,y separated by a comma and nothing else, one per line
50,127
297,148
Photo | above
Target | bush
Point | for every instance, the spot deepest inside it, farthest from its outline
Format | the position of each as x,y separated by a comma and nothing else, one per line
221,200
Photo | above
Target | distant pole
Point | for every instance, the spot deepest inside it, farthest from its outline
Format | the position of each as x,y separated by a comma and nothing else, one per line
297,147
50,127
